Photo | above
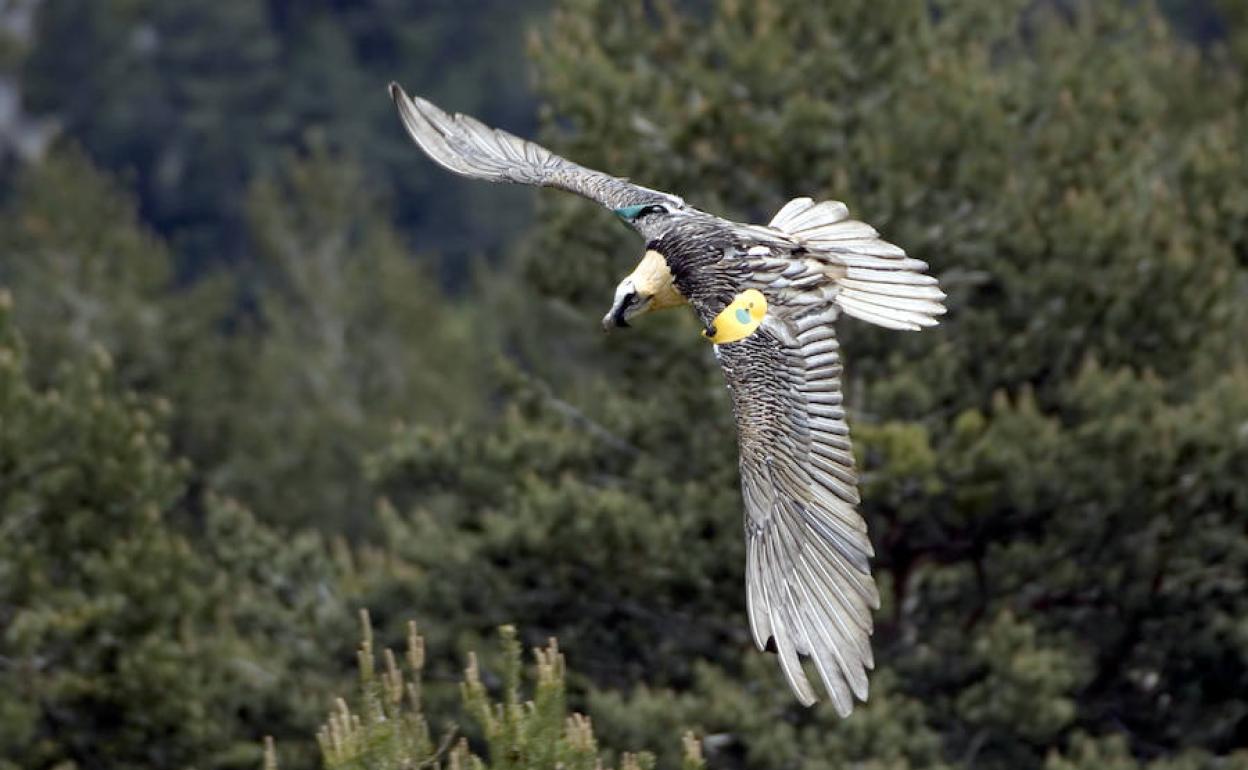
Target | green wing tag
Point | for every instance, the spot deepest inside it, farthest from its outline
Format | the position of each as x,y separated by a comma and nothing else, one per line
740,319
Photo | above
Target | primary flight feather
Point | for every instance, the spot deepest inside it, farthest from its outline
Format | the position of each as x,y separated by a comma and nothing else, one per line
768,297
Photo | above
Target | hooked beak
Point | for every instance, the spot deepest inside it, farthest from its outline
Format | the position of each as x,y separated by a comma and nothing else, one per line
628,304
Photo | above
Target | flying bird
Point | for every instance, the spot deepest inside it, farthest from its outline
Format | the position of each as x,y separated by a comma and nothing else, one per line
767,296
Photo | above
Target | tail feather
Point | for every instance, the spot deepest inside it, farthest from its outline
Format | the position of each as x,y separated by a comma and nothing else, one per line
881,284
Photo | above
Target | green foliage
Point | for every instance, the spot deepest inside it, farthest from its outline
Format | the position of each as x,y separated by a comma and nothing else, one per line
277,406
130,640
197,98
1113,753
1055,479
391,731
84,476
87,272
389,728
348,336
551,501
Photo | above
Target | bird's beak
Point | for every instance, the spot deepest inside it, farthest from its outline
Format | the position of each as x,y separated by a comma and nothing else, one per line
650,287
615,319
628,304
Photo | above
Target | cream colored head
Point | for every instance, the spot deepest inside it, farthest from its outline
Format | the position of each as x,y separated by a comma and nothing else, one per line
649,287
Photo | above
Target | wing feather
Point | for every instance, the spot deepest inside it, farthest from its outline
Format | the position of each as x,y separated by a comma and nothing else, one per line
466,146
808,581
876,281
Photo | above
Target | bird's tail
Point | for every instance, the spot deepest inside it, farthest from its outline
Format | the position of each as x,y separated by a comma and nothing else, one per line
881,284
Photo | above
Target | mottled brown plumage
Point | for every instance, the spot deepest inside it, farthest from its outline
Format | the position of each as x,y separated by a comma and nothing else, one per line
808,578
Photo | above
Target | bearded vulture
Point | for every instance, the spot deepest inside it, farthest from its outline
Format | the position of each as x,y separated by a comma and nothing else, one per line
768,297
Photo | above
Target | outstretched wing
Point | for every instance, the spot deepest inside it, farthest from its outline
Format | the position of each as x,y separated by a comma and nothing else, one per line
873,279
808,580
466,146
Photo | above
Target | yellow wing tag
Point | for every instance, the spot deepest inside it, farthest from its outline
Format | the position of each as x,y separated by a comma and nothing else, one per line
740,319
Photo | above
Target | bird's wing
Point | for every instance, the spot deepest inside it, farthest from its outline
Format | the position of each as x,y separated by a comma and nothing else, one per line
808,580
870,278
466,146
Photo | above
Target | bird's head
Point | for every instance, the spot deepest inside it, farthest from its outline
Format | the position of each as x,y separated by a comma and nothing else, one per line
649,287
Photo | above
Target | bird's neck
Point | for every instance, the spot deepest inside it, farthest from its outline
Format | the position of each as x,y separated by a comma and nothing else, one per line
653,277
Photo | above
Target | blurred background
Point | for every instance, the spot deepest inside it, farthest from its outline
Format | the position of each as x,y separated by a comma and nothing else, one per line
262,364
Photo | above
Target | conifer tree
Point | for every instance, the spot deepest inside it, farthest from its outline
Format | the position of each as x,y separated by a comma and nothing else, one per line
348,335
198,98
283,373
131,639
389,727
87,272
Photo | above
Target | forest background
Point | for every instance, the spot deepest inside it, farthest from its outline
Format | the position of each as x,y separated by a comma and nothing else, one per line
262,365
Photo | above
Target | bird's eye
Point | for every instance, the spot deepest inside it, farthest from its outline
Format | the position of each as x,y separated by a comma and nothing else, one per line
654,209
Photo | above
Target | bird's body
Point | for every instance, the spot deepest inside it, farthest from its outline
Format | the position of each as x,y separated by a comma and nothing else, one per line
768,296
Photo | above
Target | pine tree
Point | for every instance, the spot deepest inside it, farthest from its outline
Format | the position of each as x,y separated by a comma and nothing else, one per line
87,272
197,98
348,335
390,729
132,638
283,373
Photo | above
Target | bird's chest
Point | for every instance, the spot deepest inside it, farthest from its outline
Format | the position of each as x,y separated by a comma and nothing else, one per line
710,286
